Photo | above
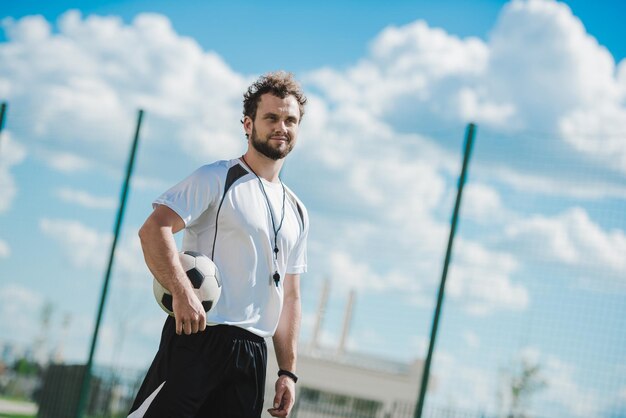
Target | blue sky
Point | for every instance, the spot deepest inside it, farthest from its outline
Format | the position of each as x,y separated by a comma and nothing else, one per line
324,32
539,268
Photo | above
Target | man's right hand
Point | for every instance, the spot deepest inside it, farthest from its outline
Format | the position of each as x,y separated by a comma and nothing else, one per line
188,312
161,254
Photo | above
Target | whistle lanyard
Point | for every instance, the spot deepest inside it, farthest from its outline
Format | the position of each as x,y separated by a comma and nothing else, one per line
276,275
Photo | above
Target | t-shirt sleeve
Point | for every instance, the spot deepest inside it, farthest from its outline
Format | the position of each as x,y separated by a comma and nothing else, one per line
192,196
297,262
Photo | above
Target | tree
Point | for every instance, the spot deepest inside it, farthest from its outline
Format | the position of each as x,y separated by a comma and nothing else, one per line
521,384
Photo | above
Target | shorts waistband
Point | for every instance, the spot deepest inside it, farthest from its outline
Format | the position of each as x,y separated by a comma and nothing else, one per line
237,332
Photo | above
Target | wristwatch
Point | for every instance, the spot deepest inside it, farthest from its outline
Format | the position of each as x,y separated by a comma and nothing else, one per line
290,375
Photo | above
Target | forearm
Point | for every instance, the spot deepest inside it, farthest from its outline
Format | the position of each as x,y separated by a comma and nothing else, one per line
286,336
161,256
286,346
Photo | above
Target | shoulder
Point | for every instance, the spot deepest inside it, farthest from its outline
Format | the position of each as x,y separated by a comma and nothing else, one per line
216,171
299,206
216,168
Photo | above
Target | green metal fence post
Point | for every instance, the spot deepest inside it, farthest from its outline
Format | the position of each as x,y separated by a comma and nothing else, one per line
84,392
3,109
469,139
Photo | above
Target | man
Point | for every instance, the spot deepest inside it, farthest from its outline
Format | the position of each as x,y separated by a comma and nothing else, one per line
240,214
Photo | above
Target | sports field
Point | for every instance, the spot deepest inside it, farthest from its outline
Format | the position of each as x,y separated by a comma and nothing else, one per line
530,321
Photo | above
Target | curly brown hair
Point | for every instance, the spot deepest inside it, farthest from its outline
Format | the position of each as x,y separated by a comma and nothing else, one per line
280,84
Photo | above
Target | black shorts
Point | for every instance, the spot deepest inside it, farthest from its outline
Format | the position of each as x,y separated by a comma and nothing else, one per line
219,372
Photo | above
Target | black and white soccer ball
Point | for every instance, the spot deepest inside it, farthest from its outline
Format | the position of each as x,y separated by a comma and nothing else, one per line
204,277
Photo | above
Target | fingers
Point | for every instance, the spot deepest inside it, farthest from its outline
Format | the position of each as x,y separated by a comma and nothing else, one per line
198,323
278,412
189,314
283,401
278,409
278,398
194,324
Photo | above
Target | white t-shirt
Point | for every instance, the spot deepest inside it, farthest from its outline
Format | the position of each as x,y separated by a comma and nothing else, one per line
244,242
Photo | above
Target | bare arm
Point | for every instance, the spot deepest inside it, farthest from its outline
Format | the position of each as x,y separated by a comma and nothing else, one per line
286,345
161,255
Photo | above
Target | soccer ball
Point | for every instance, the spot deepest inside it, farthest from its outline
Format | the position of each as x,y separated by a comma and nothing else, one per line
204,277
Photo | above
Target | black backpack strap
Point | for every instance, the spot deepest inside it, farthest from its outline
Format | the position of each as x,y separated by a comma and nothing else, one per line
234,173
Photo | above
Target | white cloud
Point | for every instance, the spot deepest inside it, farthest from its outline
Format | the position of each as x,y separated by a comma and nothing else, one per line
406,190
419,344
440,74
151,184
565,64
563,388
85,247
472,340
459,385
30,29
571,238
397,180
482,203
99,71
387,197
474,105
532,183
480,280
131,262
599,131
69,331
5,250
560,390
22,306
433,76
365,338
65,162
565,82
307,326
419,48
351,273
85,199
71,163
414,62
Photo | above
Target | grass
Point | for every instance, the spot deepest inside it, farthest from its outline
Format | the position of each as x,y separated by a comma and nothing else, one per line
18,400
16,416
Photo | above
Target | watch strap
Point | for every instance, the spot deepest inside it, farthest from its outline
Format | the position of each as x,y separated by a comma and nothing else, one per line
289,374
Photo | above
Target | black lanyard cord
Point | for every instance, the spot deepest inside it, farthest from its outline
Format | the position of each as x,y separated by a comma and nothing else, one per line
276,275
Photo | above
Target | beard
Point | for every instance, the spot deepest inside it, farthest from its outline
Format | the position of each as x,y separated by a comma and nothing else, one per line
266,149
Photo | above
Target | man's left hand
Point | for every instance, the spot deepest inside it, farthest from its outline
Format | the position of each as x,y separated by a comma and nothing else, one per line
284,398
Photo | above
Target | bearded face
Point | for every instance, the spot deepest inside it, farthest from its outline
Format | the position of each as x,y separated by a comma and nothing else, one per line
274,131
274,146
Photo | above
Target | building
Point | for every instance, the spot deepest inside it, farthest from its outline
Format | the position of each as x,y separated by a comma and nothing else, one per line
350,385
338,383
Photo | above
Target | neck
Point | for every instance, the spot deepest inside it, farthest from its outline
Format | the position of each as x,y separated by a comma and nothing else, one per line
263,166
